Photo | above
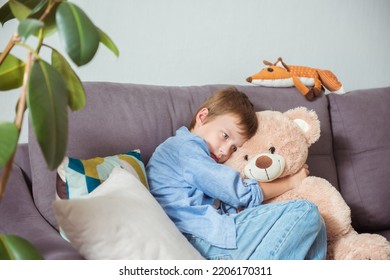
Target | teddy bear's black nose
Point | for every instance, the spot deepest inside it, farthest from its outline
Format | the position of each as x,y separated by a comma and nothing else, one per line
263,162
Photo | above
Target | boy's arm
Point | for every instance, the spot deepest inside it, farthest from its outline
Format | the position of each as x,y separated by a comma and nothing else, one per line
282,185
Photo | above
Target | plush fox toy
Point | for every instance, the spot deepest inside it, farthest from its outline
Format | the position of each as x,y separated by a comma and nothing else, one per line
280,74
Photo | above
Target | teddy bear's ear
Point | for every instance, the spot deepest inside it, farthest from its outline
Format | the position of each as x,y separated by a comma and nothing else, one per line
308,122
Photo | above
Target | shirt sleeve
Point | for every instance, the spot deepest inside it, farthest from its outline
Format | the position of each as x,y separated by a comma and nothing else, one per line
216,180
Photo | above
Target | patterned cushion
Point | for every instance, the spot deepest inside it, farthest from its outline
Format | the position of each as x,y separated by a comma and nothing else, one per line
79,177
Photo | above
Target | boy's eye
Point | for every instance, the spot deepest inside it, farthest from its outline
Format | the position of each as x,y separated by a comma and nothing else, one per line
234,149
224,135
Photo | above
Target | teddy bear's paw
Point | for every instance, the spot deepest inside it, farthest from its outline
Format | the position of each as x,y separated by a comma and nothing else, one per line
361,247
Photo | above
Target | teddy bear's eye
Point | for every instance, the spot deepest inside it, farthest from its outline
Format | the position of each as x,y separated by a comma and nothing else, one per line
246,157
272,150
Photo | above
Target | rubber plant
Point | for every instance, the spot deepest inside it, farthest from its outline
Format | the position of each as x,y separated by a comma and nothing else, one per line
48,88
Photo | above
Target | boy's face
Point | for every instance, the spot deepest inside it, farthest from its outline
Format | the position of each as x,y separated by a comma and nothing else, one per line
221,134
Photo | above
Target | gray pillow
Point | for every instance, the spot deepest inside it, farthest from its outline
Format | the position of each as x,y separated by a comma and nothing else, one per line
360,123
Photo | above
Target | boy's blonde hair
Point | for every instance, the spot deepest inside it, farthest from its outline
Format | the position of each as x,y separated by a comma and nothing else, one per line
231,101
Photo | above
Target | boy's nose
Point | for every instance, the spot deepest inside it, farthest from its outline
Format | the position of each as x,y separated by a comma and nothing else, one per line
224,148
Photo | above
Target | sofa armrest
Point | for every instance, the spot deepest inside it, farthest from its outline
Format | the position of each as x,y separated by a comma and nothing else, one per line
19,216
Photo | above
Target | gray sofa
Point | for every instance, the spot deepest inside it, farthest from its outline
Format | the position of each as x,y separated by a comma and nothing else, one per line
353,152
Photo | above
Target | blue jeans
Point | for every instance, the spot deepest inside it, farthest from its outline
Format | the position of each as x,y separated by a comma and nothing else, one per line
289,230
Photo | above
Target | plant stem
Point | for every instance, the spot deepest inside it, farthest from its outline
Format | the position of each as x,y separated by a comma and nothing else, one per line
48,9
15,38
21,108
29,48
23,96
40,40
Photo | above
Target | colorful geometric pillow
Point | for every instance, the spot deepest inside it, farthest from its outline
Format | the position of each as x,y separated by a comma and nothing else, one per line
79,177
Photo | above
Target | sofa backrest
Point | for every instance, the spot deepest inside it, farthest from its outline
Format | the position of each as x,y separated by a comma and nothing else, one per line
120,117
361,131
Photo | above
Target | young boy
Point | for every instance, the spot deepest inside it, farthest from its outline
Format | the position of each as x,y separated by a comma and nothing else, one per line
201,195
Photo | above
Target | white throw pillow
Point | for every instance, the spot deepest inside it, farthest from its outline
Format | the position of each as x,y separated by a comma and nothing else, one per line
121,220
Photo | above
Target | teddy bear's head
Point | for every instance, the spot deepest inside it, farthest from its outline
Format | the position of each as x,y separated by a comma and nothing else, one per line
280,145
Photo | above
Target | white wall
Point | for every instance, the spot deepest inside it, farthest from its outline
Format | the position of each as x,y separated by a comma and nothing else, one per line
195,42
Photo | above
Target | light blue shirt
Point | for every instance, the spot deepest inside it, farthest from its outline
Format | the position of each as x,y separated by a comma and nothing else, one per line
186,181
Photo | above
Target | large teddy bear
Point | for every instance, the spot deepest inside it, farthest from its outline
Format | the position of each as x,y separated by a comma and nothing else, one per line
280,148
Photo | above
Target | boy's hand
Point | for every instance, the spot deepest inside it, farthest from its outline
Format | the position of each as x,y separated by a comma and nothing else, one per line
298,177
282,185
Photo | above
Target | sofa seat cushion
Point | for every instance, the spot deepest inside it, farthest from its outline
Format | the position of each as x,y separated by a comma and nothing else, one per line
362,151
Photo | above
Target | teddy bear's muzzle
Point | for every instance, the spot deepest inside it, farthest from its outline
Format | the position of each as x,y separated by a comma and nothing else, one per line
265,167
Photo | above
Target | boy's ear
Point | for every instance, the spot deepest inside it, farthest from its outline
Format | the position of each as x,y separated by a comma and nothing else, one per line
201,116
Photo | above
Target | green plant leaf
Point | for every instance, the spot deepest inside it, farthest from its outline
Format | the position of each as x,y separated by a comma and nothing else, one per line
11,73
5,13
108,42
76,93
13,247
47,101
8,140
28,27
19,10
35,6
77,32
